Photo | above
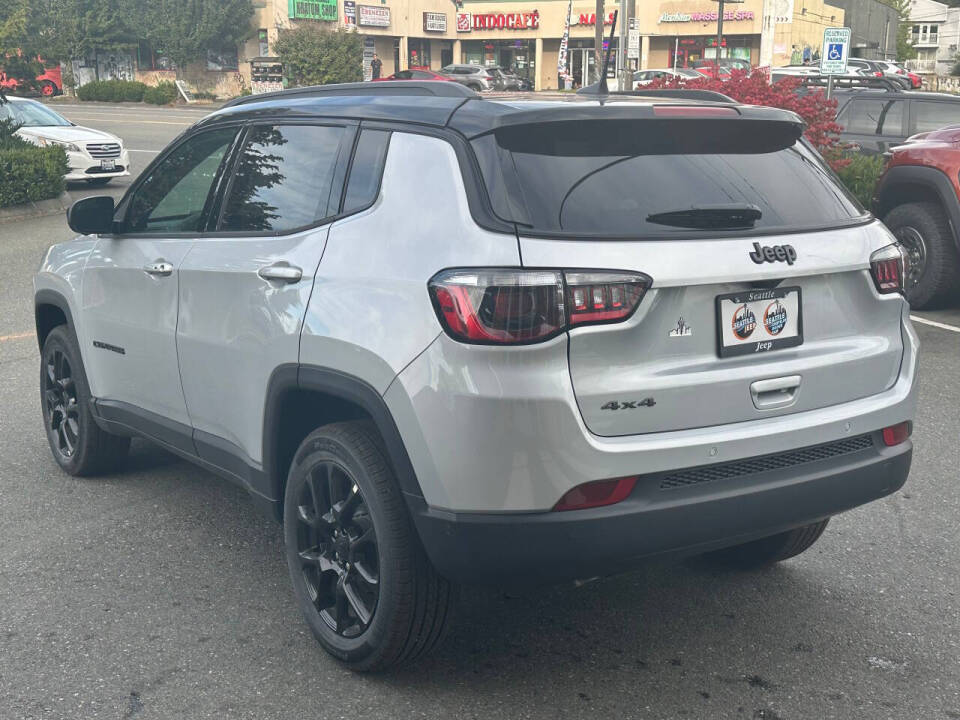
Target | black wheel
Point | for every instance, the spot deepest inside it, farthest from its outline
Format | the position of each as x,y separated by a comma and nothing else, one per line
98,182
78,444
475,88
769,550
934,273
361,578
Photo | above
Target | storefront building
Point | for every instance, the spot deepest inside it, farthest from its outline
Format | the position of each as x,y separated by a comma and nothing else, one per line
525,37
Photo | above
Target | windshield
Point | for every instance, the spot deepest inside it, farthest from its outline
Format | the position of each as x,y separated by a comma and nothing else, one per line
598,178
28,113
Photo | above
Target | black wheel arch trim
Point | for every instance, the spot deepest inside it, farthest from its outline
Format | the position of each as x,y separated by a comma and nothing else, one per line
292,377
927,177
46,296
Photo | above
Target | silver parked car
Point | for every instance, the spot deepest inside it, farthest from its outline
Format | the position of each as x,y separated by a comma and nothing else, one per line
475,77
565,348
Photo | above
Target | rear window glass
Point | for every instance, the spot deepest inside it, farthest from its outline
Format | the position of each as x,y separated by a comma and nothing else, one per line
607,178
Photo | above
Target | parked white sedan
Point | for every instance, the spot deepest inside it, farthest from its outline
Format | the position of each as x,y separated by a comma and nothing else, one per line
94,156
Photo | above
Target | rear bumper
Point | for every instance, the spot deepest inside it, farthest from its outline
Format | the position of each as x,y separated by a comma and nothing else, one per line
536,548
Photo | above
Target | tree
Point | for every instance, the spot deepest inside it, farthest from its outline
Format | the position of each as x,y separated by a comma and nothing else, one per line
905,51
184,30
80,26
22,40
315,55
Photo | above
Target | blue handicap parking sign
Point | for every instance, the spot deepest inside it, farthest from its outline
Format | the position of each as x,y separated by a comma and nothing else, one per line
835,51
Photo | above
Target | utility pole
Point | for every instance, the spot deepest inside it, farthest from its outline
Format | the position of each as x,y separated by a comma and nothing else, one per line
625,83
716,58
598,41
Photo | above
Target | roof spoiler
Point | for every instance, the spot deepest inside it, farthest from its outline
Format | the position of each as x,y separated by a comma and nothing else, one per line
434,88
672,93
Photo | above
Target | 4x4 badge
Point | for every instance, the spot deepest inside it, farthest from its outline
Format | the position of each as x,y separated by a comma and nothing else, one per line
773,253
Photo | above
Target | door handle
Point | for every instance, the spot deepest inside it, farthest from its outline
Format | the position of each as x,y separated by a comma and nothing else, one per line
159,267
775,393
282,271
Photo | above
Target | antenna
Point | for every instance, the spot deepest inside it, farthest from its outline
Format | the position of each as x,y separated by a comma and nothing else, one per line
603,89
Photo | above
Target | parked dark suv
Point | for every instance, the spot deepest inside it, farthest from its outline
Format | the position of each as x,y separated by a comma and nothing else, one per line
874,120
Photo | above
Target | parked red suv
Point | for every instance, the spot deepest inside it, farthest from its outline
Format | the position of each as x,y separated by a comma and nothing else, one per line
918,197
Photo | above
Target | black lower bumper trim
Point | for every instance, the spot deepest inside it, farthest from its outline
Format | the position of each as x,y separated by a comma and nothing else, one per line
539,548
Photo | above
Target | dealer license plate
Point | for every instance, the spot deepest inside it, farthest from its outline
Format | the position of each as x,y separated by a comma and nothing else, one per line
108,165
756,321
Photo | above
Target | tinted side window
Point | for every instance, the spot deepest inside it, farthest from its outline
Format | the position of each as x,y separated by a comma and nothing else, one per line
862,116
172,198
934,115
367,168
892,121
283,178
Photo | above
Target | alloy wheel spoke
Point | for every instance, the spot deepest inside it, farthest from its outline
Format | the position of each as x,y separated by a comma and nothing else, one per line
356,602
51,372
340,615
368,576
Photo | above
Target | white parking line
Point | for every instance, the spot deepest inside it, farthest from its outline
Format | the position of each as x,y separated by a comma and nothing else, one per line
934,323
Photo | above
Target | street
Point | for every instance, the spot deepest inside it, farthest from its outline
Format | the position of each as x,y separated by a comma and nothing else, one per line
160,592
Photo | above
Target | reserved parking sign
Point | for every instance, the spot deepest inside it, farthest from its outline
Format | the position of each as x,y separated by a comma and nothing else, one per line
835,50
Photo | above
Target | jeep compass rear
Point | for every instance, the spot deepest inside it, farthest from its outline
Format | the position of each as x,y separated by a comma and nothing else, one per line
622,329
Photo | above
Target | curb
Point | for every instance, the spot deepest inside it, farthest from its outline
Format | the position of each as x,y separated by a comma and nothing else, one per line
37,208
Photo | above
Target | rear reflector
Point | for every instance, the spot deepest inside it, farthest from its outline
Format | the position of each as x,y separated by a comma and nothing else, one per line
896,434
596,494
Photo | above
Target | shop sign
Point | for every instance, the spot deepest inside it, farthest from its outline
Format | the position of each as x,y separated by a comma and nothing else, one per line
707,16
434,22
349,12
498,21
590,19
373,16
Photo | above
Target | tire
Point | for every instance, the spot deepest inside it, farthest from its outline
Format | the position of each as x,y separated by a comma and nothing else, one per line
475,87
98,182
934,274
78,444
769,550
345,524
48,89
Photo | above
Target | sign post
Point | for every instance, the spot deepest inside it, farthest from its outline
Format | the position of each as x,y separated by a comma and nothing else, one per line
833,58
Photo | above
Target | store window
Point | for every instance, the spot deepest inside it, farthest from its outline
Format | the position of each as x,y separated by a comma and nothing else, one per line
263,42
418,53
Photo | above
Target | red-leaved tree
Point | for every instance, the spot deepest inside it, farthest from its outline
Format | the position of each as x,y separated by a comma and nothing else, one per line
754,88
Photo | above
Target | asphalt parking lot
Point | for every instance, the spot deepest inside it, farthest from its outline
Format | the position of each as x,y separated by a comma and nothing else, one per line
161,593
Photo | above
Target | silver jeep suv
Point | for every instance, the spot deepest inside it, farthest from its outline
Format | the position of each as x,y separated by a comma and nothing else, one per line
450,340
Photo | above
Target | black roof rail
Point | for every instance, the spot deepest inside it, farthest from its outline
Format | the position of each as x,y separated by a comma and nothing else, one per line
846,82
670,93
434,88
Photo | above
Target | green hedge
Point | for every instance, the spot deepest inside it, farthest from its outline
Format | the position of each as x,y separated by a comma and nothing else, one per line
112,91
29,172
860,174
163,93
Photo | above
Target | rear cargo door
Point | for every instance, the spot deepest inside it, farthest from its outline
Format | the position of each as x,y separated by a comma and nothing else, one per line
761,304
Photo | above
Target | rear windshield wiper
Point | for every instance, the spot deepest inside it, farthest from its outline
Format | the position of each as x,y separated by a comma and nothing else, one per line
710,217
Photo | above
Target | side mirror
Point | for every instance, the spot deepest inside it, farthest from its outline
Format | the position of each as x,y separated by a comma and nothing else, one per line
92,215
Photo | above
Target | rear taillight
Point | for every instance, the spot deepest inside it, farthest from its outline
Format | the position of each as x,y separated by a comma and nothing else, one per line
888,266
518,307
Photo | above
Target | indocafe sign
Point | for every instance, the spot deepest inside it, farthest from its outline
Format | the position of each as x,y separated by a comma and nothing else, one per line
498,21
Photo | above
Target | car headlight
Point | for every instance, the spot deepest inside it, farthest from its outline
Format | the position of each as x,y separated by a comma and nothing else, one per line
68,146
